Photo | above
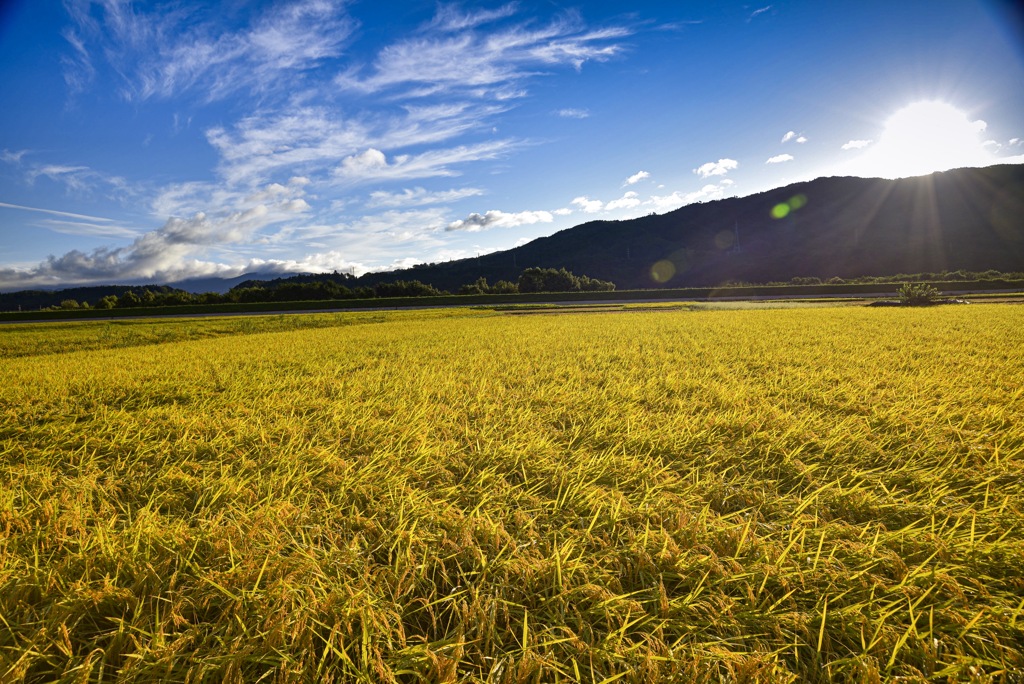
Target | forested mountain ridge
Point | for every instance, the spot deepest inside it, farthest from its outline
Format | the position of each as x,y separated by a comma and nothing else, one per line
966,219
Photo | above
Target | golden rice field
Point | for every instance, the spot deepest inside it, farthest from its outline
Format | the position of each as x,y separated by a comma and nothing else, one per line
808,494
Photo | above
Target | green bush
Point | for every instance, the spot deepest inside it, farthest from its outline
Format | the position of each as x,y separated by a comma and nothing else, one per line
918,294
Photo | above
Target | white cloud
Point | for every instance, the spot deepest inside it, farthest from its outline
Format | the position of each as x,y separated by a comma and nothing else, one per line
788,136
564,211
779,158
677,199
1015,141
856,144
369,163
573,113
373,165
416,197
637,177
499,219
587,205
719,168
627,201
592,206
759,11
801,139
164,254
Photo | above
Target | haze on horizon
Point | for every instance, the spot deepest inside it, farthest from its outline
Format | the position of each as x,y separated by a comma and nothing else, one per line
162,141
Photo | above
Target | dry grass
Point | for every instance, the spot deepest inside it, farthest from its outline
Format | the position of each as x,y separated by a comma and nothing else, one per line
748,496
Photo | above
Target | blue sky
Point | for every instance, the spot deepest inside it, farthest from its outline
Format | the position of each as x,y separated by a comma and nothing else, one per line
158,141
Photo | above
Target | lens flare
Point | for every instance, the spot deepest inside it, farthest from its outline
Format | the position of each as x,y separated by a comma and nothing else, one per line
784,209
662,271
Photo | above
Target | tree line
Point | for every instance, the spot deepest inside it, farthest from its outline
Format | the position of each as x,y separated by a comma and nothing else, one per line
531,280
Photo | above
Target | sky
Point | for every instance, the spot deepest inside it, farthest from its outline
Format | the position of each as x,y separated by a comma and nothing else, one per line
159,141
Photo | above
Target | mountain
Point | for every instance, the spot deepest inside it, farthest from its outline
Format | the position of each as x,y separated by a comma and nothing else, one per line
964,219
218,285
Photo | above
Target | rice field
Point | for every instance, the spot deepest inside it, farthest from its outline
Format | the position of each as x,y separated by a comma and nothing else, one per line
647,495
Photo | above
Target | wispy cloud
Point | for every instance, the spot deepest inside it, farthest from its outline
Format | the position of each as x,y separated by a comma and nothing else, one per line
499,219
779,158
794,136
637,177
160,51
314,139
450,18
856,144
12,157
104,230
54,212
718,168
494,64
373,165
79,180
573,113
759,12
417,197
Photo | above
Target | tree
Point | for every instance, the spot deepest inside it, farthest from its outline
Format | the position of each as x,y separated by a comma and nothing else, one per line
548,280
560,280
404,288
129,299
478,287
504,287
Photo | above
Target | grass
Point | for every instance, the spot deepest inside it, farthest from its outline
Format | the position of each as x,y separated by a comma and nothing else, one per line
759,495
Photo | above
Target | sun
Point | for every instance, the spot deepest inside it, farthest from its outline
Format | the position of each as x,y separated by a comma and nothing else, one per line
924,137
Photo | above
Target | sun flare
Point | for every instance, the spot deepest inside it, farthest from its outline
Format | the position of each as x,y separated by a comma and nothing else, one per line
924,137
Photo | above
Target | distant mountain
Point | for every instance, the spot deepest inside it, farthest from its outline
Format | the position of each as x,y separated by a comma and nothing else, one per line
218,285
965,219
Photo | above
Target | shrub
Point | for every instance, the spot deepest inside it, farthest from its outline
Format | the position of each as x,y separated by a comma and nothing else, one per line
918,294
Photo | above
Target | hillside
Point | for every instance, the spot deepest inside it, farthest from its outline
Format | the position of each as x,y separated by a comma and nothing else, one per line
969,219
